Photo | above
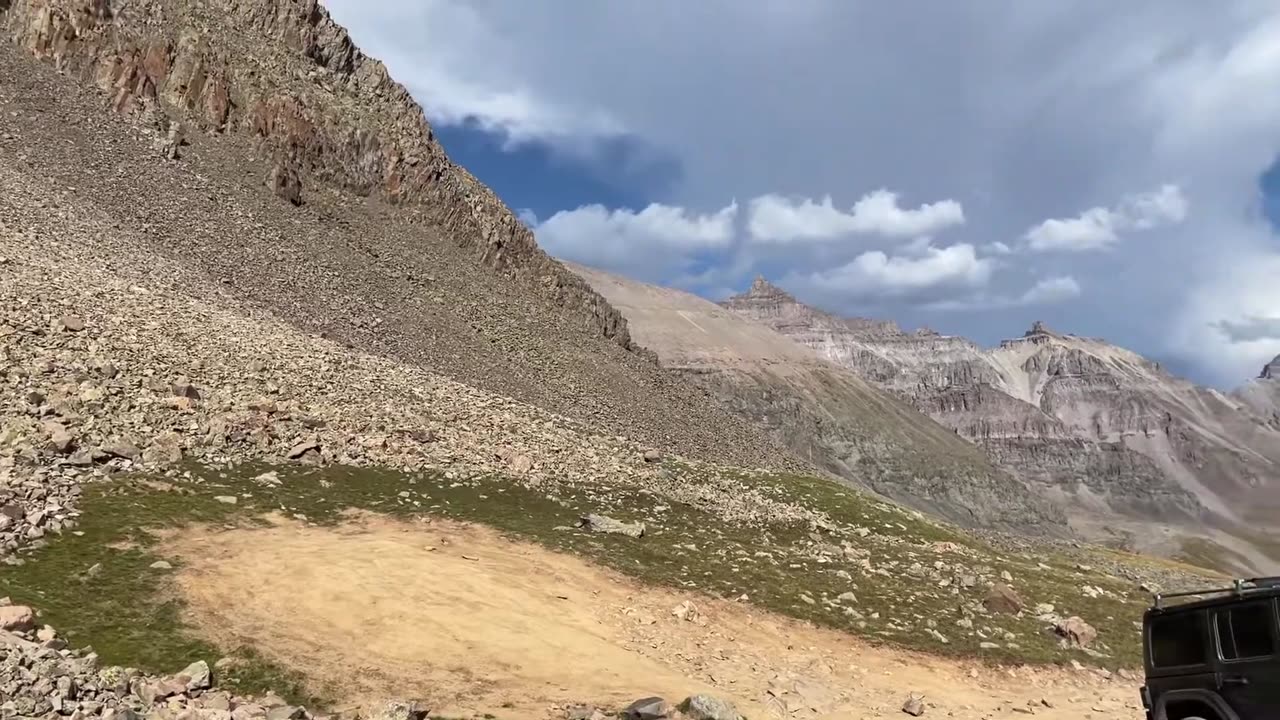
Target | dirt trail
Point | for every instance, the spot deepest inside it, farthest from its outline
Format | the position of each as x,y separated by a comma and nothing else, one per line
475,623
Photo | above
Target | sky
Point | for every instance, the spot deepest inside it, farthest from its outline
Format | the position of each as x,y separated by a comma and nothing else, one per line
1108,168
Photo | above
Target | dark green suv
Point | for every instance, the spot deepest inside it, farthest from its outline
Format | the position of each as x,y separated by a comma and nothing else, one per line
1214,655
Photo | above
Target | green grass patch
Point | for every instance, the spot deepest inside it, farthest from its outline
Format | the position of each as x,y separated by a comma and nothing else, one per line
906,571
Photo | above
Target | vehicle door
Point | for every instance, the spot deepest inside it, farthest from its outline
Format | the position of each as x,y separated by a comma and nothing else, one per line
1248,680
1181,662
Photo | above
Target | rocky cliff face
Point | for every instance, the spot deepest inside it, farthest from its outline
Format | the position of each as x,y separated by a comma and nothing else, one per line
822,411
283,73
252,143
1262,394
1091,424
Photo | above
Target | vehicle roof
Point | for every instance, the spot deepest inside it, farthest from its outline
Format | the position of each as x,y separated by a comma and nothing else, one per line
1219,598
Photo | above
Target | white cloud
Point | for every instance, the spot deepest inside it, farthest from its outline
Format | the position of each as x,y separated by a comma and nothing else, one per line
1092,230
1047,291
1024,111
1051,290
774,218
1230,319
657,239
876,275
1166,206
528,217
456,84
1098,228
997,248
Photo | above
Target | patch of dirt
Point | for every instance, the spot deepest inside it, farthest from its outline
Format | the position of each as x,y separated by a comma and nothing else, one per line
472,622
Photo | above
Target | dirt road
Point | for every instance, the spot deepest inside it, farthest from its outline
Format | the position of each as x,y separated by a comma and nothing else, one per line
475,623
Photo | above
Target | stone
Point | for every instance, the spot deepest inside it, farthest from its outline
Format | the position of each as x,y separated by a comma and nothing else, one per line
73,323
248,711
606,524
161,565
121,449
708,707
301,448
650,708
184,389
198,675
1075,632
521,464
285,712
914,705
399,710
652,456
1003,599
686,611
227,499
166,449
17,618
60,439
83,457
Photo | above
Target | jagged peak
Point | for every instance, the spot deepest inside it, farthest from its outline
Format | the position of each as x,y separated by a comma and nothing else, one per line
762,288
1271,371
1039,328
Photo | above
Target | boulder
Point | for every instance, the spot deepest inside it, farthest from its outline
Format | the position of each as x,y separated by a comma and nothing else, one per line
709,707
19,618
197,676
1003,599
1075,632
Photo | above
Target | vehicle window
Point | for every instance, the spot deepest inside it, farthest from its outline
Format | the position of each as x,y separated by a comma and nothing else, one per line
1178,640
1245,631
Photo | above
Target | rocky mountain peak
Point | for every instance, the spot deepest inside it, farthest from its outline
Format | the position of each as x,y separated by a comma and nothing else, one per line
1271,371
1038,328
761,288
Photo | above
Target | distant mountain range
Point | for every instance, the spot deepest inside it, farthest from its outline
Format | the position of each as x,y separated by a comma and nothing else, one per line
1120,450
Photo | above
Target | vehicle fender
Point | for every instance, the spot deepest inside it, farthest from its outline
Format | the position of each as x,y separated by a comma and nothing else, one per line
1208,697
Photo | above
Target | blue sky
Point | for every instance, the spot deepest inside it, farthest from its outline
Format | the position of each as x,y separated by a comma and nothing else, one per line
1102,167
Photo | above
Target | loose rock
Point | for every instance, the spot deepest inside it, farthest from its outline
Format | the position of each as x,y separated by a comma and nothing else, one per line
707,707
605,524
1003,599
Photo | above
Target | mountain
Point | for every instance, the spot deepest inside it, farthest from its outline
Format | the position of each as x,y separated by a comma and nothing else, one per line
1126,448
284,392
252,141
822,411
1262,394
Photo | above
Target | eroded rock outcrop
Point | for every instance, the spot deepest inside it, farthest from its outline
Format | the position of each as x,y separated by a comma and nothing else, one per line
256,145
1262,394
283,72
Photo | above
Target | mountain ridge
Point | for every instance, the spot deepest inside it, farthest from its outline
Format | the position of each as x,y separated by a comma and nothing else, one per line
185,116
303,122
823,412
1094,425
